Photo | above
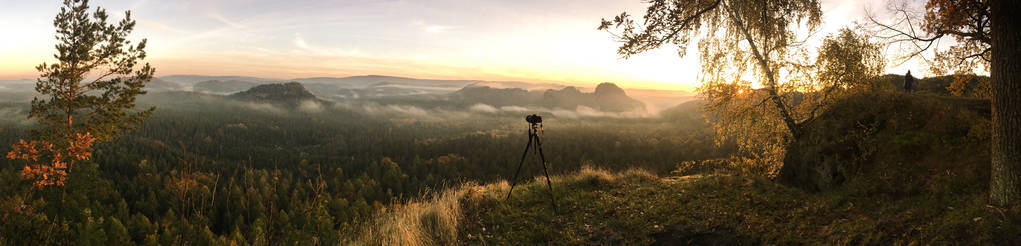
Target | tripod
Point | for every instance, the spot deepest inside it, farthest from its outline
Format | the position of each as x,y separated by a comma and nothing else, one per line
534,128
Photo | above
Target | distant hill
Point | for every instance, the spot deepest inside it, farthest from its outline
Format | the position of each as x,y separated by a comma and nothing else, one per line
610,97
157,84
223,86
495,96
374,86
353,87
497,93
606,97
376,80
194,79
19,85
291,94
687,111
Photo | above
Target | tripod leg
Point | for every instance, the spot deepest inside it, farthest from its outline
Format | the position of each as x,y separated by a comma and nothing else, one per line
545,169
523,155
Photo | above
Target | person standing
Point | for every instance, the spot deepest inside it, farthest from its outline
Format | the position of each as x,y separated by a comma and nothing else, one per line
909,81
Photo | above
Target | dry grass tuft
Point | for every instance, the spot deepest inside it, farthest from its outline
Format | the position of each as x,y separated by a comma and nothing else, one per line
598,176
638,174
432,221
437,219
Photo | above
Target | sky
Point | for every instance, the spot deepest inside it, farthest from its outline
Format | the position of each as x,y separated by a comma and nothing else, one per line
498,40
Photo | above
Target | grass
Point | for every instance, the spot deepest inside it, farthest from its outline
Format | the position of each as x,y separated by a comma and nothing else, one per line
722,209
924,182
636,208
429,221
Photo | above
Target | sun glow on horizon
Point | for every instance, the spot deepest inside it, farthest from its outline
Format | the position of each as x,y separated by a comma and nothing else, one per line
549,42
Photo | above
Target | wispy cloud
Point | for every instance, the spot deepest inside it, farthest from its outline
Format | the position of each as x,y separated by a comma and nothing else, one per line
220,18
162,26
430,28
312,49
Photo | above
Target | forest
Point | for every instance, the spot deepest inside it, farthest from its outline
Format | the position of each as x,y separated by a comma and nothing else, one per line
213,169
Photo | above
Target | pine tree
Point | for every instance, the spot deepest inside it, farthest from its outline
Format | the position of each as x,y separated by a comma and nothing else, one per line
88,94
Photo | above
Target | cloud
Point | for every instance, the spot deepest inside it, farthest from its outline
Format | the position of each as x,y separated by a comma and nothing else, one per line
394,111
264,107
300,43
430,28
310,106
403,111
311,49
577,113
587,112
435,29
16,115
224,20
162,26
514,108
485,108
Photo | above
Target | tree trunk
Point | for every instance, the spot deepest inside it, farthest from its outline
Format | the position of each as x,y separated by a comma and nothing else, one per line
781,107
1005,179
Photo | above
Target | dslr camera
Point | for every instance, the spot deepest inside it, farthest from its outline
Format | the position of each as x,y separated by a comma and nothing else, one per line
533,119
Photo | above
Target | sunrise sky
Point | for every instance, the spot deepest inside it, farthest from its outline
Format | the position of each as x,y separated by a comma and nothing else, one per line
522,40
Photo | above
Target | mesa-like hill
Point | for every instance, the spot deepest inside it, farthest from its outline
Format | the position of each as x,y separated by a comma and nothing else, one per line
291,93
916,173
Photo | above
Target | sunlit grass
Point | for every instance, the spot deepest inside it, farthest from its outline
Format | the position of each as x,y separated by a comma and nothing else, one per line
430,221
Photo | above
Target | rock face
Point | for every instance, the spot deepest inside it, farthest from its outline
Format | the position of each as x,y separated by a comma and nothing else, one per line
607,97
292,93
610,97
887,138
569,97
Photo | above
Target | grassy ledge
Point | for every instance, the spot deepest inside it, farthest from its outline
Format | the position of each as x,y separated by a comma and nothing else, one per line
635,207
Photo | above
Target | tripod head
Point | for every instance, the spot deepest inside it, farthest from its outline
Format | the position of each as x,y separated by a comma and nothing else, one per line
534,123
533,119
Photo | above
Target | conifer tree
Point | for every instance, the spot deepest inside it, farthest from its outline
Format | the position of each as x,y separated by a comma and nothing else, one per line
87,95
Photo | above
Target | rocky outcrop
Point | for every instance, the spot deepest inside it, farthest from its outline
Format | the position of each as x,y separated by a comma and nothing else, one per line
292,93
610,97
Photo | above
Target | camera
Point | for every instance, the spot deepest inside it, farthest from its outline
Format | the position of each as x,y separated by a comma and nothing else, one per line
534,119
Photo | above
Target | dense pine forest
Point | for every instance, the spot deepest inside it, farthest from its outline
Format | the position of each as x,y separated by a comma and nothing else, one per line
210,169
